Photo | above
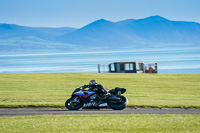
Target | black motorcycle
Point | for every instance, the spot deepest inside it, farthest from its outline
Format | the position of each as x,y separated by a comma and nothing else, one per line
92,100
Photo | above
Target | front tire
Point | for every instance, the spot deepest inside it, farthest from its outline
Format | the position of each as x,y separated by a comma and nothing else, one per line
119,106
73,104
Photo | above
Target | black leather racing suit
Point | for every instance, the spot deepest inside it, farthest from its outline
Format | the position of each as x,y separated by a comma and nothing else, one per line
101,91
97,88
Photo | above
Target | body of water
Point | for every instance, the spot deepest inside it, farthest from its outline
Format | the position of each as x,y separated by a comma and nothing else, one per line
184,60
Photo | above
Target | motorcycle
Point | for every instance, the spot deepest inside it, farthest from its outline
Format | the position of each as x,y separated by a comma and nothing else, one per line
87,99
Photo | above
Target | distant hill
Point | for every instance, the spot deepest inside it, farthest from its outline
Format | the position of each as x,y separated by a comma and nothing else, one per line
154,31
15,37
159,29
101,33
11,30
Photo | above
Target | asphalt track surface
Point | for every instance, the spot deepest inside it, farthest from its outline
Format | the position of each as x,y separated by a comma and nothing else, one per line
59,111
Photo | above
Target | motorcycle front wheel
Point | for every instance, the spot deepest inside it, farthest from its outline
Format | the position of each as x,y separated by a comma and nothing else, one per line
74,103
119,106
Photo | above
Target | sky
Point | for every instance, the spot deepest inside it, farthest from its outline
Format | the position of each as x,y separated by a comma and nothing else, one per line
78,13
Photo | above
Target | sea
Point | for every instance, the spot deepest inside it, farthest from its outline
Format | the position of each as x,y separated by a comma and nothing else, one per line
170,60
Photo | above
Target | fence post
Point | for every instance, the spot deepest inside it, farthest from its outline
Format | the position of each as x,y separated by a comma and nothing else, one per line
99,70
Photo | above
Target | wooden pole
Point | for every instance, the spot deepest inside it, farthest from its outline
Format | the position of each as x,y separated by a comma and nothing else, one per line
99,70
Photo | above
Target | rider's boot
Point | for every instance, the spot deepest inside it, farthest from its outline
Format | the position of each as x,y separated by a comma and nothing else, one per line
108,96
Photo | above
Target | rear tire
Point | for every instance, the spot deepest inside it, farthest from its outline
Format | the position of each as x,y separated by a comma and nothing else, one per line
69,104
119,106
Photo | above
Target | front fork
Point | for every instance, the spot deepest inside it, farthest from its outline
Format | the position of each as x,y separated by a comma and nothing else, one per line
75,100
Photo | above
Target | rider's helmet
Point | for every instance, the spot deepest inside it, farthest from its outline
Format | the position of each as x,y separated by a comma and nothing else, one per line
93,82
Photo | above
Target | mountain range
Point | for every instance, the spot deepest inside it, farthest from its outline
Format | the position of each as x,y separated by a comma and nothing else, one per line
152,32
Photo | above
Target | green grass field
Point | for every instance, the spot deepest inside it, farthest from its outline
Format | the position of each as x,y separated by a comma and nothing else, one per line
102,123
143,90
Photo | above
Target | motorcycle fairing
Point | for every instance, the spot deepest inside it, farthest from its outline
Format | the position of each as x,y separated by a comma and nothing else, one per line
94,105
84,94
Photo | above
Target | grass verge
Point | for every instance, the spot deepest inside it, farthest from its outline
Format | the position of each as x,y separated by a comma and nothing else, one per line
143,90
102,123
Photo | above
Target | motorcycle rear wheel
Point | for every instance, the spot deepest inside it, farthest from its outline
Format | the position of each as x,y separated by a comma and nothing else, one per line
119,106
71,105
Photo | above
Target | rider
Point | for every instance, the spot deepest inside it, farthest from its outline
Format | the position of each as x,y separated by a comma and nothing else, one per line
94,85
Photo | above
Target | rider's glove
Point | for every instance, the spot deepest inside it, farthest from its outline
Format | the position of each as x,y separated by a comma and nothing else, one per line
85,86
